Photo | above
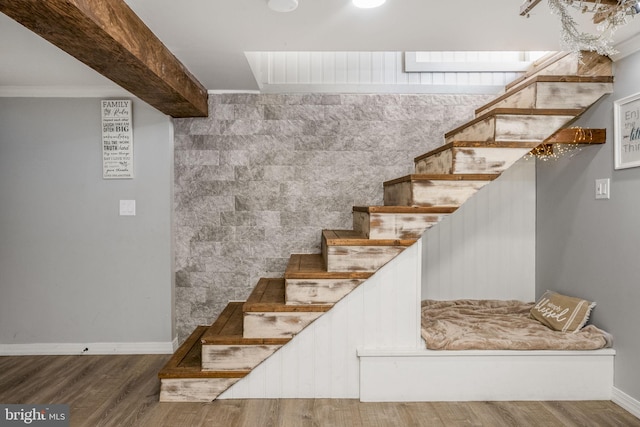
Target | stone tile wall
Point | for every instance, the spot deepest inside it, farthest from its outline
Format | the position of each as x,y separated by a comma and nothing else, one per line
261,177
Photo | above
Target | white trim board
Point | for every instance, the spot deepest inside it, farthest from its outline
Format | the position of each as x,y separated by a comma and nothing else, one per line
412,65
382,88
626,402
38,349
440,376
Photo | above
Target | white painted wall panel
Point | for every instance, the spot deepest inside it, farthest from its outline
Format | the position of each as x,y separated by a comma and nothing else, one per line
377,67
367,68
486,249
328,68
365,62
321,361
316,67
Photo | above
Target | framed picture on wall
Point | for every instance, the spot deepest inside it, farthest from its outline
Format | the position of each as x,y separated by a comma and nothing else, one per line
626,132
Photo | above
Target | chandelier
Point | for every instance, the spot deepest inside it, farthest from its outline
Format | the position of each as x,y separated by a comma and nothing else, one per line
608,16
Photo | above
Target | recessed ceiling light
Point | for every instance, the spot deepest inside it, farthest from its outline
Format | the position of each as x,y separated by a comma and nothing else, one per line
282,5
368,4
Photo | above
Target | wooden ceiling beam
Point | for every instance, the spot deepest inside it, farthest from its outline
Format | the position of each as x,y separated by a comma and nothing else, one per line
109,37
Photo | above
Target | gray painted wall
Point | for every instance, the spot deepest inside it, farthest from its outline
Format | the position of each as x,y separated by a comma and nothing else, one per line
263,175
71,269
591,248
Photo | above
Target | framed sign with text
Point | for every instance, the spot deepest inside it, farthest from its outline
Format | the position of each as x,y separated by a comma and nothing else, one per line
626,130
117,139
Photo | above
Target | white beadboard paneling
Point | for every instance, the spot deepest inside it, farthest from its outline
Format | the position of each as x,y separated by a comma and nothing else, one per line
365,64
390,68
321,361
341,67
277,65
486,249
316,67
377,68
291,68
304,67
353,68
328,68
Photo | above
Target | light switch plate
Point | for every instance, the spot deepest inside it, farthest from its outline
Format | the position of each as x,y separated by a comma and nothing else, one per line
603,188
127,207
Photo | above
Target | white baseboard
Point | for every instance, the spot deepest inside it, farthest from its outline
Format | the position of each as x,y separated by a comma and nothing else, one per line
626,402
88,348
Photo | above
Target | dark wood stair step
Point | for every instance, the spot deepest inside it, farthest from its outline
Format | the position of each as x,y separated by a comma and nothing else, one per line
183,380
553,92
448,190
228,329
348,250
269,296
266,315
311,266
224,347
186,361
308,282
472,157
514,124
396,222
566,63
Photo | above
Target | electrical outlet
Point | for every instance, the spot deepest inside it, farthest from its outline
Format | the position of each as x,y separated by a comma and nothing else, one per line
603,188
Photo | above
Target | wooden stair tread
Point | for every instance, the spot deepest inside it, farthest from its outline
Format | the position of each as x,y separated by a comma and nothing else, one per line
578,136
479,144
405,209
590,64
311,266
227,329
517,112
269,296
443,177
545,79
186,361
353,238
539,65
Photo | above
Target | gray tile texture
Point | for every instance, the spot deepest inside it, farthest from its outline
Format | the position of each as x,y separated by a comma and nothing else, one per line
264,174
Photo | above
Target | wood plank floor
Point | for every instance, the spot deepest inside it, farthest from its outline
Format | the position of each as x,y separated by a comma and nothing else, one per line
123,391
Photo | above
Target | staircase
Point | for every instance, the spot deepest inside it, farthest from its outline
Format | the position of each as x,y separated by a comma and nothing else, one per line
534,110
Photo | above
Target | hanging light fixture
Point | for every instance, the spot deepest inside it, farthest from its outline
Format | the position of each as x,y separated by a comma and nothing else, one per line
608,16
368,4
282,5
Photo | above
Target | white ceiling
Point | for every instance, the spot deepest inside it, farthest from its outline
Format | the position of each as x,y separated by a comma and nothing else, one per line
211,36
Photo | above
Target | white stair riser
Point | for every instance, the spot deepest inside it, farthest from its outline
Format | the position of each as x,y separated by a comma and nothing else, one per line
393,226
511,127
431,193
235,357
359,258
319,291
553,95
470,160
276,324
193,389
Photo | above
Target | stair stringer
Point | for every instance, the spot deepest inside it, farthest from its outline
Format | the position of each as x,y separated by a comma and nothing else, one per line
321,361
